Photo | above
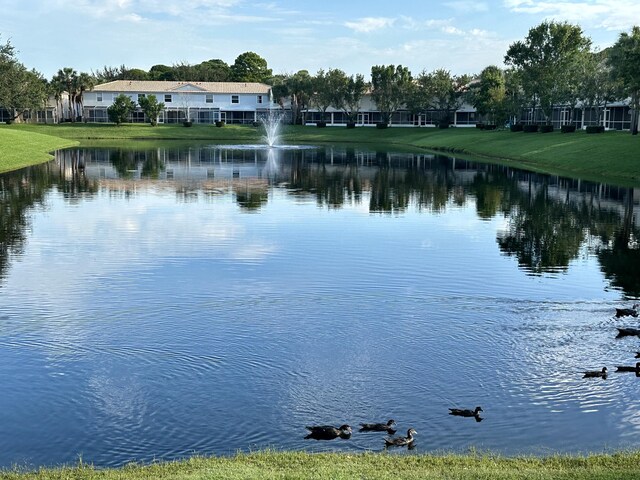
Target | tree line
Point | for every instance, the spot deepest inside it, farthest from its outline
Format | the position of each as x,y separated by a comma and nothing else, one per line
554,65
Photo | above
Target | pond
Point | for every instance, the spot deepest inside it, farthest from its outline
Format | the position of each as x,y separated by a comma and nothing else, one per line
163,302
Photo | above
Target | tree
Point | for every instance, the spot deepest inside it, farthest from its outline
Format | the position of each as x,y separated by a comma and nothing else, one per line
391,87
299,87
490,93
151,108
439,90
624,59
162,72
185,72
280,90
354,89
546,60
214,70
21,90
84,82
597,87
67,78
514,96
121,109
322,95
109,74
250,67
136,74
327,90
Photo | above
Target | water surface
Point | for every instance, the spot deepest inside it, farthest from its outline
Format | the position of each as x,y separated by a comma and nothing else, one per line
159,303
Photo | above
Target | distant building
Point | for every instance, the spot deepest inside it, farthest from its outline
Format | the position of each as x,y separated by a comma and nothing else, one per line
245,102
54,111
198,102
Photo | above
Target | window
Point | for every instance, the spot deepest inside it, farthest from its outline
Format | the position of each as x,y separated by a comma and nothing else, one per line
98,97
167,98
259,98
209,98
235,99
141,95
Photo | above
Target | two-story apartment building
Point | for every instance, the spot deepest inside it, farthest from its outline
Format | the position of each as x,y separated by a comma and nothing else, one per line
199,102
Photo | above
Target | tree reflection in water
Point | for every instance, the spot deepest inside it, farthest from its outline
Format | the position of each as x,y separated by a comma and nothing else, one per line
23,191
548,220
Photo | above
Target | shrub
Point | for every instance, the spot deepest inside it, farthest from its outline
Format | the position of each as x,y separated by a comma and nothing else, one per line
530,128
518,127
595,129
351,124
321,124
490,127
381,125
568,128
443,124
121,108
187,123
546,128
480,126
256,124
220,123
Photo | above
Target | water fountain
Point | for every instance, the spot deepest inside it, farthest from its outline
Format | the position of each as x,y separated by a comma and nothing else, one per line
271,123
271,151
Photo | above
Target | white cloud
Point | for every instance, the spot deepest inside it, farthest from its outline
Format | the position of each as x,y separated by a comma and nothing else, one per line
452,30
369,24
607,14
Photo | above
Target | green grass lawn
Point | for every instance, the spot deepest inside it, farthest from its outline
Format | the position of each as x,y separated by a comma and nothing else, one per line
300,465
19,148
612,156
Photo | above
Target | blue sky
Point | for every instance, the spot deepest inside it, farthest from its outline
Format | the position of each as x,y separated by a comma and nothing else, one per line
462,36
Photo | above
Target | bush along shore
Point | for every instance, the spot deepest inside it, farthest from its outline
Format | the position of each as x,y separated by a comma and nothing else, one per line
613,157
301,465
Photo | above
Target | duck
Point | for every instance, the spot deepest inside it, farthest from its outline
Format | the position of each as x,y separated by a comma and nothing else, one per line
628,312
625,368
379,427
626,331
596,373
465,413
328,432
401,441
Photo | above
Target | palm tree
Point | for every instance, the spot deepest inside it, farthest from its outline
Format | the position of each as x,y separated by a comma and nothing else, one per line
56,89
83,83
67,76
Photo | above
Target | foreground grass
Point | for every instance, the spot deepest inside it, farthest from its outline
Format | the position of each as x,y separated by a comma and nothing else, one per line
299,465
612,156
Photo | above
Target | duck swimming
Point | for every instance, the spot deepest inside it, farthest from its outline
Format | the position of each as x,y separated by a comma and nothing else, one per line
596,373
328,432
626,331
465,413
628,312
401,441
624,368
379,427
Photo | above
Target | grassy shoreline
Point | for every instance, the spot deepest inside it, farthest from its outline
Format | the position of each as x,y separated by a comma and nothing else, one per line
301,465
613,157
19,149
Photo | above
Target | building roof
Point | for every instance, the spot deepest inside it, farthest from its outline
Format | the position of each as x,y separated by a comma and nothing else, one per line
122,86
